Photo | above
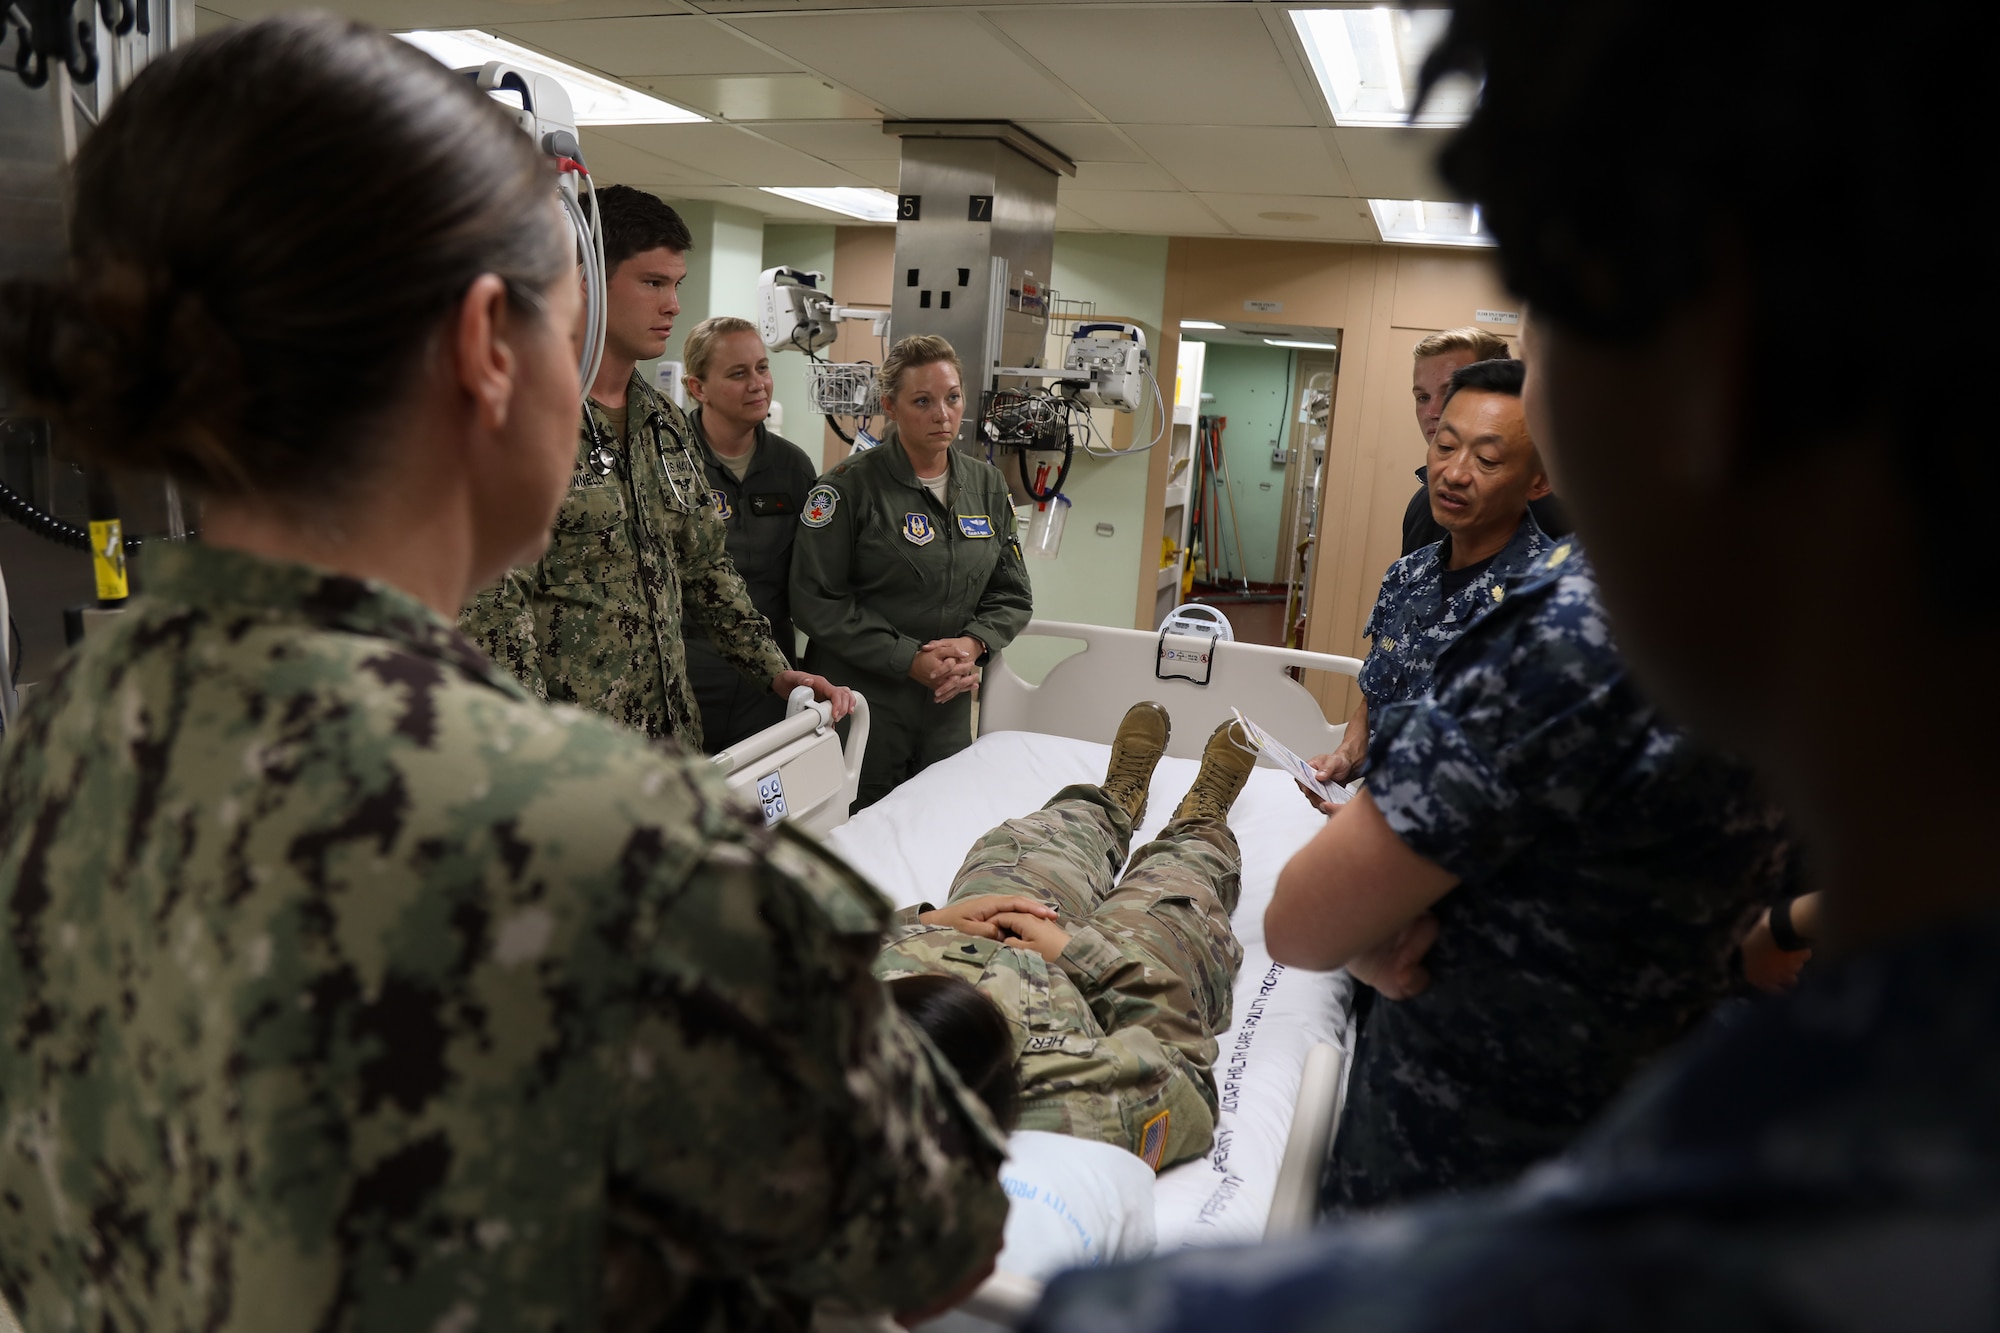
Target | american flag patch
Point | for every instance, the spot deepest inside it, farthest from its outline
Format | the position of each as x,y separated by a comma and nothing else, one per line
1153,1140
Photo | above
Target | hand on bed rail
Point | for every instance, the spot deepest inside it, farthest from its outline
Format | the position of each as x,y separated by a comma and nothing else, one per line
823,689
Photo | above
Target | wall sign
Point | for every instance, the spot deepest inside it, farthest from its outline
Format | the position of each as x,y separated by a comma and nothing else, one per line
1264,307
1496,317
981,209
909,207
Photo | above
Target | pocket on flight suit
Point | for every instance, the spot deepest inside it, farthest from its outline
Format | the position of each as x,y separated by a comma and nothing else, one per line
1208,945
592,542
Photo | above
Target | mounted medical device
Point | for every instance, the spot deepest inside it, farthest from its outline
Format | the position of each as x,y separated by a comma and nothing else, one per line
796,312
546,116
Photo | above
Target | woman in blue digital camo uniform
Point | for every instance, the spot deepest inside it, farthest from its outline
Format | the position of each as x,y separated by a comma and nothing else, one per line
345,985
907,572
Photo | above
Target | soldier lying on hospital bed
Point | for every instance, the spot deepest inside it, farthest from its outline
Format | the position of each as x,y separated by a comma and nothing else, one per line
1073,1000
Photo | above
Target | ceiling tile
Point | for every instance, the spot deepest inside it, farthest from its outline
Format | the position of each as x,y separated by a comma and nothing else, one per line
403,15
626,47
743,97
1085,141
922,65
1068,219
616,162
756,201
1119,176
1157,213
729,153
882,175
1176,66
1233,158
836,140
1393,163
1315,217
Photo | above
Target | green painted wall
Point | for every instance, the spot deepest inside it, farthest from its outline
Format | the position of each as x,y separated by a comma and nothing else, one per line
810,247
1252,386
1092,579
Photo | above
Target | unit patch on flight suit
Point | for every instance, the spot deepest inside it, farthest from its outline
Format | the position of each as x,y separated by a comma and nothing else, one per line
820,504
919,529
975,525
722,508
770,502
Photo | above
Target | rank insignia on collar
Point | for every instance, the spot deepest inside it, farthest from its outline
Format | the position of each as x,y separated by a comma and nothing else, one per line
975,525
722,508
919,529
820,504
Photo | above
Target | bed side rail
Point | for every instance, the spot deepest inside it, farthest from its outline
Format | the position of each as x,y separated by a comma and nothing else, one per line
799,768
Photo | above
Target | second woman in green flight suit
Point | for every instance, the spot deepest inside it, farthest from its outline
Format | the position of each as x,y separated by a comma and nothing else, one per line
907,571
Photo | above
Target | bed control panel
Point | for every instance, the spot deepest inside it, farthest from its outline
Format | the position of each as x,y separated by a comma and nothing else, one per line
771,791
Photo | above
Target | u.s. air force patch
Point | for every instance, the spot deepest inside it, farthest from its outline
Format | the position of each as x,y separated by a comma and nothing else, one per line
722,506
919,529
820,504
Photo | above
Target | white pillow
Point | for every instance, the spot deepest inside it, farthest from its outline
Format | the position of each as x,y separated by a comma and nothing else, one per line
1072,1203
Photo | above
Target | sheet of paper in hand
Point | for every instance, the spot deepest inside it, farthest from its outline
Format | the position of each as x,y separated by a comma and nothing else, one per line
1282,755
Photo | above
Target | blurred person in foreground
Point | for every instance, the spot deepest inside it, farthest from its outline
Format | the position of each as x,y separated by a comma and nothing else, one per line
345,984
1832,1160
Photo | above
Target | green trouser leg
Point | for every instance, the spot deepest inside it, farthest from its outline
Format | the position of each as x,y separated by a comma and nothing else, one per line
906,734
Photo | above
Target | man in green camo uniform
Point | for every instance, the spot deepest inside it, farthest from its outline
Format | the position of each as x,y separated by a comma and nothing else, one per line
637,551
406,1002
1115,1006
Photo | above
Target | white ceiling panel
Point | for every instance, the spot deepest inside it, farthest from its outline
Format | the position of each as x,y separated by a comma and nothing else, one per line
729,153
757,201
616,162
1119,176
1068,219
625,47
1393,164
881,175
1086,141
922,64
1234,158
836,140
1158,213
402,15
1181,66
1303,217
801,97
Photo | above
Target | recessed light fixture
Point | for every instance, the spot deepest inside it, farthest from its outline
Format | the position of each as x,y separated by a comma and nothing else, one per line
1202,324
1294,342
870,205
1368,61
1420,222
595,99
1281,216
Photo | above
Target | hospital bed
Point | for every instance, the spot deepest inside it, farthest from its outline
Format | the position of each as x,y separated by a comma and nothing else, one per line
1282,1065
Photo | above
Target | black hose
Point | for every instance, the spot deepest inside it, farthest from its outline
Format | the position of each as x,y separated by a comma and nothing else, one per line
844,436
47,526
1062,474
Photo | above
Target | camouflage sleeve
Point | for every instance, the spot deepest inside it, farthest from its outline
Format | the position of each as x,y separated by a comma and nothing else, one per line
501,620
1533,714
713,597
834,1153
1009,600
823,600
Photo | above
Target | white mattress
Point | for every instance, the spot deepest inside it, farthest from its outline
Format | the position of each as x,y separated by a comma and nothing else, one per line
913,841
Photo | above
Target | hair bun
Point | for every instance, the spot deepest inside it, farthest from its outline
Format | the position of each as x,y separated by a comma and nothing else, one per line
140,376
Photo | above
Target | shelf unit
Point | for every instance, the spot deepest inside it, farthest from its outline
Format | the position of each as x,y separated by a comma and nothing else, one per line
1180,480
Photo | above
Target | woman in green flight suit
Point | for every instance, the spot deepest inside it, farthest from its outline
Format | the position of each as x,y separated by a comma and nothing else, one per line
907,572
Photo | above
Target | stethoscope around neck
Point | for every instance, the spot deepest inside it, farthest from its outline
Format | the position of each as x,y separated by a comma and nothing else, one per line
605,462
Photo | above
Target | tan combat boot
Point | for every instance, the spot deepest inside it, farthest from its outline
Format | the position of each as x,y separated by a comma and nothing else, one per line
1226,762
1135,752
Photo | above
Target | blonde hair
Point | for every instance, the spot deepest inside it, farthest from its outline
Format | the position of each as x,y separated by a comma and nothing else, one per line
919,349
698,353
1484,346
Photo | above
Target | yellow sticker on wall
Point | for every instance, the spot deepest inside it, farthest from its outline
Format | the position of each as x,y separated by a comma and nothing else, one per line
107,557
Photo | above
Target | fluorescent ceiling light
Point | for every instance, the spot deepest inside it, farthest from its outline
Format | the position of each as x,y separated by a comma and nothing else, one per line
1368,62
1202,324
855,201
1416,222
1294,342
596,99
